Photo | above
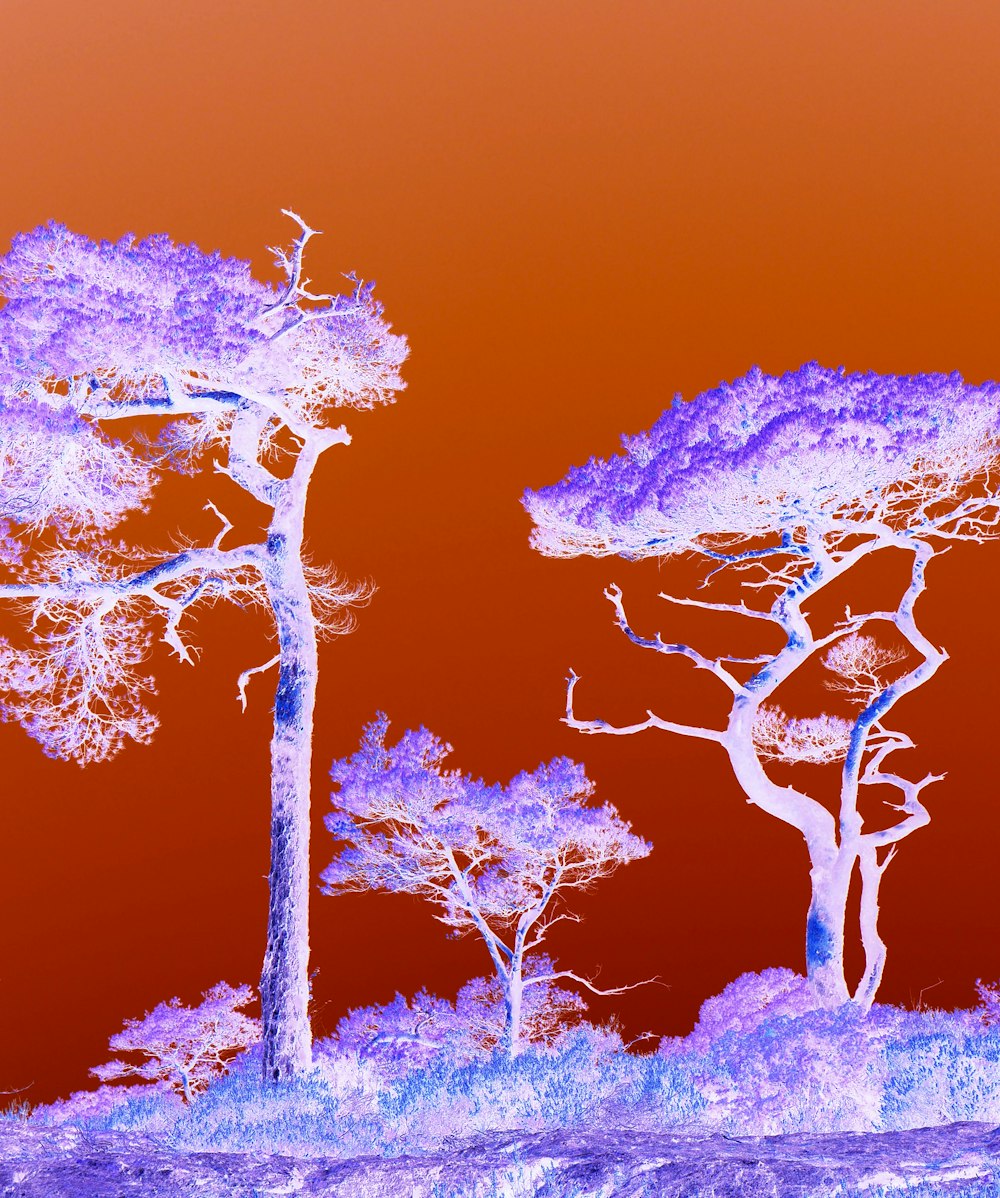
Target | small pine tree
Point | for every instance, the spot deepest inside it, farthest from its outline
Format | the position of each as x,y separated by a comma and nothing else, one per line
182,1046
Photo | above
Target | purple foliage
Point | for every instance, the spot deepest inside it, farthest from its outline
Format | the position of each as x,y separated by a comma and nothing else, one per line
409,1033
402,816
549,1012
95,333
64,472
105,1100
182,1046
988,1011
764,452
413,827
124,314
746,1003
151,303
79,691
495,860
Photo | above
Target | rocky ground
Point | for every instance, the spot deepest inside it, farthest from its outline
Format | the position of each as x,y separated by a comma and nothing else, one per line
961,1159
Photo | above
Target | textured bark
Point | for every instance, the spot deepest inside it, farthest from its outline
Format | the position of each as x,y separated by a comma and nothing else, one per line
830,863
513,993
872,942
825,930
284,985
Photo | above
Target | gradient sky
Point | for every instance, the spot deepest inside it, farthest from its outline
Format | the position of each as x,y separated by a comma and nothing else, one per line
574,209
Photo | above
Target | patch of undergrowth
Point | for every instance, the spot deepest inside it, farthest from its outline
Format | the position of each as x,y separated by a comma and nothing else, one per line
760,1061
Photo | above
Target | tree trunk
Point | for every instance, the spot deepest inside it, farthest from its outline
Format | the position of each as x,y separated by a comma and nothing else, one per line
825,941
825,930
513,993
830,864
874,945
284,984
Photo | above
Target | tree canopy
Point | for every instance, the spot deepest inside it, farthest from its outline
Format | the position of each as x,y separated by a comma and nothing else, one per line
785,484
817,447
480,852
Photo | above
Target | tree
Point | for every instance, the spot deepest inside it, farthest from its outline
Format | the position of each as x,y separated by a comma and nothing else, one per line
498,861
183,1047
233,371
784,485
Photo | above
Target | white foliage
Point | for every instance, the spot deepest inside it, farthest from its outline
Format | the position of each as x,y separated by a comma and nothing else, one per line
816,739
859,660
78,691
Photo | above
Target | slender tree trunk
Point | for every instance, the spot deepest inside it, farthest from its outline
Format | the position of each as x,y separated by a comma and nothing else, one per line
513,994
874,945
284,986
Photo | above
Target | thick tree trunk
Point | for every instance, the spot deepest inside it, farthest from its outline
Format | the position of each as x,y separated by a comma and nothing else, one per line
830,864
284,985
825,930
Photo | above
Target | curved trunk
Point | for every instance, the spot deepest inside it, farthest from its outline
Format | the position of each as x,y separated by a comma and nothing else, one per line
830,864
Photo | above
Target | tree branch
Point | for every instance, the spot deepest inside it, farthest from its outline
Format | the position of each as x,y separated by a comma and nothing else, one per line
740,608
227,525
614,595
917,814
568,973
291,266
653,721
244,678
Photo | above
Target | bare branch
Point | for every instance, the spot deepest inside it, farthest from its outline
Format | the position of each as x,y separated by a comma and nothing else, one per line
227,524
292,266
964,514
740,608
543,927
244,678
652,721
568,973
614,595
917,814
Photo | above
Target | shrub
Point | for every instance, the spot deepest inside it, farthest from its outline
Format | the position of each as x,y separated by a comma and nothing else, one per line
744,1005
85,1105
407,1034
185,1048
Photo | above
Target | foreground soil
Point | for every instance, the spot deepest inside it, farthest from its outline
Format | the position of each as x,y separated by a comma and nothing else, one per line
961,1159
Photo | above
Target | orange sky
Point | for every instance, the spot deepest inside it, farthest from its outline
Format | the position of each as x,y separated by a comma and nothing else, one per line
573,210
